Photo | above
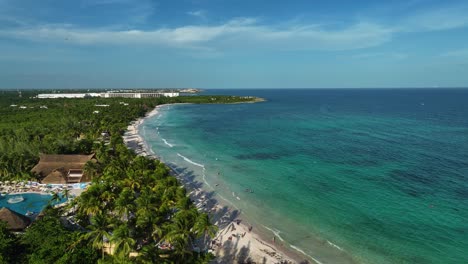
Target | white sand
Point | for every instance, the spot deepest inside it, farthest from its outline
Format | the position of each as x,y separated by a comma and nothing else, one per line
238,245
234,243
133,140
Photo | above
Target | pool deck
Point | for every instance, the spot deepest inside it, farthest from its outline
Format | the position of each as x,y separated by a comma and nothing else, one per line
15,187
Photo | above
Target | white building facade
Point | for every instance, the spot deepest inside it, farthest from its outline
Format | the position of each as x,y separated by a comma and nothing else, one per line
107,95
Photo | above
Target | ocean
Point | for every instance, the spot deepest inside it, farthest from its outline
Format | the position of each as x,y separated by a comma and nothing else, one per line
339,175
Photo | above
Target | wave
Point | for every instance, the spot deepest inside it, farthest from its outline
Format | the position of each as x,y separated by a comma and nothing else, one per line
174,168
165,142
190,161
234,195
302,251
275,231
333,245
196,164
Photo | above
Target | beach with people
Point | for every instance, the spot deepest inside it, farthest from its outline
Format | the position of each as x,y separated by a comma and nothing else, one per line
237,240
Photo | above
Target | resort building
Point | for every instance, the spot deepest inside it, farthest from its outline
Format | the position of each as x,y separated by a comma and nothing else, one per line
138,95
67,95
109,95
62,169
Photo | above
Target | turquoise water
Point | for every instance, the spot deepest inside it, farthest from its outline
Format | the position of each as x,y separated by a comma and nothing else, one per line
32,202
344,176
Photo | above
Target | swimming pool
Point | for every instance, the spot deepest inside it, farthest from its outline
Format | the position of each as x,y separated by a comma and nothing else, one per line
32,202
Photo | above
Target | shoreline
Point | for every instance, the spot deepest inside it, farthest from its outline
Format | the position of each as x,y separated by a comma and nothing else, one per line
236,240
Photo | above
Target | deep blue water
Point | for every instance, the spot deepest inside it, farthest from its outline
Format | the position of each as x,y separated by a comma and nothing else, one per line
343,175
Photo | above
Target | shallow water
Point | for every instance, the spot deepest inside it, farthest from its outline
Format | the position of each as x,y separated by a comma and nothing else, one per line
372,176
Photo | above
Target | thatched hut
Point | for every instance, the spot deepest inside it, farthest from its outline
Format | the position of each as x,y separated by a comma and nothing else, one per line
60,169
14,220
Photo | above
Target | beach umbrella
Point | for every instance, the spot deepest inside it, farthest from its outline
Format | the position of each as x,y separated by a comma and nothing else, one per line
15,221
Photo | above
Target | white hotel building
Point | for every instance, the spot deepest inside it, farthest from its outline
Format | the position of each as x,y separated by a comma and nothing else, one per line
107,95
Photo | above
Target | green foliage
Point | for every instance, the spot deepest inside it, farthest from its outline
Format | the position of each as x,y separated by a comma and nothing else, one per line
133,202
70,126
7,244
47,241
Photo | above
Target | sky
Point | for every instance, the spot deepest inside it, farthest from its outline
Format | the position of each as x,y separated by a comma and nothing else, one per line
233,43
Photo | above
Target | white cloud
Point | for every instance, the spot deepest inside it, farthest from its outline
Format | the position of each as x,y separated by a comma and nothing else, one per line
381,55
239,33
106,2
460,53
437,19
198,13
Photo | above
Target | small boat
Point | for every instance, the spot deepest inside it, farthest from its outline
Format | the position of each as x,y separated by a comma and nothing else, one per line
29,213
16,199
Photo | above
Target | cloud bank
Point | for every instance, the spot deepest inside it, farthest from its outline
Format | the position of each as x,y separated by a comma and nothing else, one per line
236,33
245,33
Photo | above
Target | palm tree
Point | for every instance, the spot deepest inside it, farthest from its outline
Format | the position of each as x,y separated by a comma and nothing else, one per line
99,231
55,198
131,181
66,193
123,241
203,227
90,205
124,204
91,169
142,163
156,232
179,235
147,254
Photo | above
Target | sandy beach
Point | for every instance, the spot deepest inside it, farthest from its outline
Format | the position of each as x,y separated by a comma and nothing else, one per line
236,240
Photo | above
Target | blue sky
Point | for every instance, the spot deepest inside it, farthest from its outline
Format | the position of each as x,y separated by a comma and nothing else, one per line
233,43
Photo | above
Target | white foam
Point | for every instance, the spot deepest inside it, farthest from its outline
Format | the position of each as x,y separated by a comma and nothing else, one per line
333,245
165,142
190,161
276,232
204,179
302,251
203,176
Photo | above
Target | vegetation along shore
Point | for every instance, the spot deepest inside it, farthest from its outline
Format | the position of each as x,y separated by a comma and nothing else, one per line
134,210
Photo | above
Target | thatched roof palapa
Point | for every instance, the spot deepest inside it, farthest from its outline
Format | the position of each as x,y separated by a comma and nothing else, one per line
58,176
54,168
15,221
